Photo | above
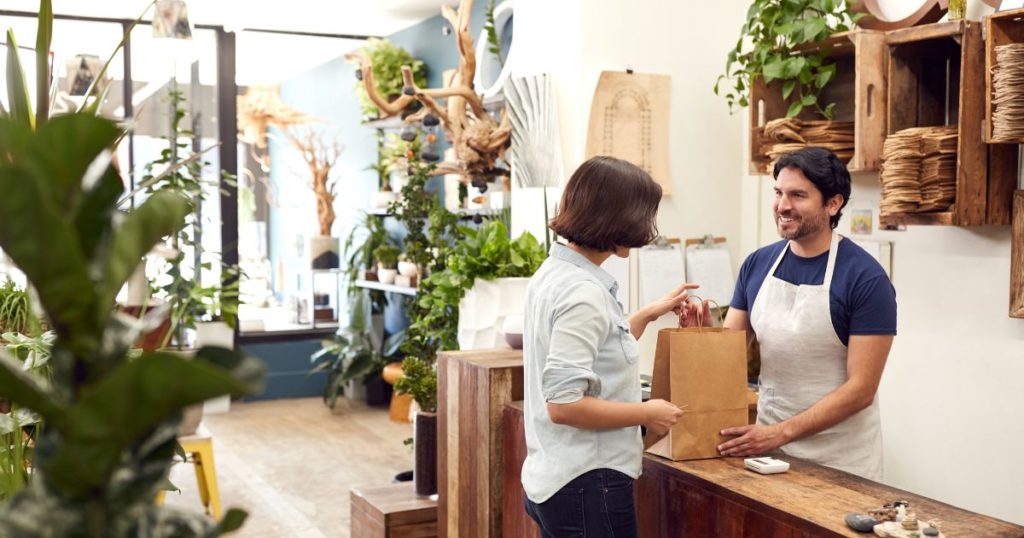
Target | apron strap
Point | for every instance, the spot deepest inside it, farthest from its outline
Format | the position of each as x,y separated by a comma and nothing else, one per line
830,267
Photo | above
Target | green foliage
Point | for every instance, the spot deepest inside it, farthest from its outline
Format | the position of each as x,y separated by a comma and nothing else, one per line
15,310
352,354
386,256
388,59
419,379
492,33
783,35
18,426
111,422
487,253
360,256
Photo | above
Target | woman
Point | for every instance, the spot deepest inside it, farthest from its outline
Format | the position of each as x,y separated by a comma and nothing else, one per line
582,384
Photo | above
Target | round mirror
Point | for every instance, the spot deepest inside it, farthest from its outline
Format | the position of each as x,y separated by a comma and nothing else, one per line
493,70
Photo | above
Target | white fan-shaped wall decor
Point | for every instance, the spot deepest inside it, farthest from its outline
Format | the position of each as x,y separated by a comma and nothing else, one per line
536,151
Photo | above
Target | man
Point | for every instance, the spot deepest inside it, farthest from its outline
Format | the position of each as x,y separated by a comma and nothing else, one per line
824,314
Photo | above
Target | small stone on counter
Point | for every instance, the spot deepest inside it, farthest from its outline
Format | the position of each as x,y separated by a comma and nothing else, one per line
930,531
860,522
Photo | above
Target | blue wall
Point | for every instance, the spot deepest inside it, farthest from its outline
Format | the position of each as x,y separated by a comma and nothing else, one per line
327,92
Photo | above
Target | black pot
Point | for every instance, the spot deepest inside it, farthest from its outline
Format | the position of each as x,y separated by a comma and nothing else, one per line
425,467
378,391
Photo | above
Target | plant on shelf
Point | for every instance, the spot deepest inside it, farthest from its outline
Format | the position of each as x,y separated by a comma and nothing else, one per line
111,420
782,35
386,256
358,250
15,310
388,60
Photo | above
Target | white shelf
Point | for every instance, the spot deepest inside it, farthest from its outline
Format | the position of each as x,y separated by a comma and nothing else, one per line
370,284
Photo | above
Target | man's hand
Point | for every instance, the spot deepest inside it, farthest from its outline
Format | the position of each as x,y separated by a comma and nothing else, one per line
660,416
753,440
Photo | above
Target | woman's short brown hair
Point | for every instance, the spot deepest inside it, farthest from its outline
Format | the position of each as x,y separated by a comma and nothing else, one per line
608,203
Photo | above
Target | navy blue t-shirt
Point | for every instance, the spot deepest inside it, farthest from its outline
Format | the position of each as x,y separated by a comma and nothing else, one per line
861,299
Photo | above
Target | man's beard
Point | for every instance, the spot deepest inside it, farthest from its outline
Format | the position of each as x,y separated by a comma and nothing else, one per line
805,227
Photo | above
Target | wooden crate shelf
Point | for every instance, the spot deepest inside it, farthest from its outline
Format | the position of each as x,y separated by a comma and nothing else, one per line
1001,28
935,77
858,91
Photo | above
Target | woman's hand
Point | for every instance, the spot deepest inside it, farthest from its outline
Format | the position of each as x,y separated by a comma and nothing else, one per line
659,416
675,300
693,314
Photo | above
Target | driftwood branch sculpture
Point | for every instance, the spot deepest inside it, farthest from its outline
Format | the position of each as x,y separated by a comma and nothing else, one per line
320,157
478,138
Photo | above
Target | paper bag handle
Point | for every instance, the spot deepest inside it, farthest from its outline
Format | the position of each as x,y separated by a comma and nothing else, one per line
700,311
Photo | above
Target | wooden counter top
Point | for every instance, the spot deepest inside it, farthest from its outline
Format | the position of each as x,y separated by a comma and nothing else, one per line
720,497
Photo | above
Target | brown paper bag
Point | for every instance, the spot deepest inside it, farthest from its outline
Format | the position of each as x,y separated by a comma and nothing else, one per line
704,372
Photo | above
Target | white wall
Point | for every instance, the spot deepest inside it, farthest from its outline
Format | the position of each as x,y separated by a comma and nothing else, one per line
951,395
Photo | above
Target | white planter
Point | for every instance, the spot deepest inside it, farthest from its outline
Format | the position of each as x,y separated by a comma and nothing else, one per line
483,310
382,199
215,333
408,269
386,276
323,252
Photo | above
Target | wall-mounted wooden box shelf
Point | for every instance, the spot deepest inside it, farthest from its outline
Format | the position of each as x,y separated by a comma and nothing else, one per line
1017,258
935,77
1003,28
858,91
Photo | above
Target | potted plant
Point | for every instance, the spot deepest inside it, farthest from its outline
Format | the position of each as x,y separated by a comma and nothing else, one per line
783,34
387,262
352,359
419,379
15,309
111,419
388,60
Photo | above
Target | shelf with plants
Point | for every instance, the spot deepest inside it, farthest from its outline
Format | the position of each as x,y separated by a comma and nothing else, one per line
810,78
935,79
394,288
856,92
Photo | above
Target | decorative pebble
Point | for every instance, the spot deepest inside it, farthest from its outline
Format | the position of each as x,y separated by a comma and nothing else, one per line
930,531
860,522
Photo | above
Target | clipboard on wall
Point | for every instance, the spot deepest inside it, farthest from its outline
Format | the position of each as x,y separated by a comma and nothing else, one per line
708,263
660,269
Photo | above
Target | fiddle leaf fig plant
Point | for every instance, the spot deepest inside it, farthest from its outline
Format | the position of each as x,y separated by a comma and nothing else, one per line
777,43
111,416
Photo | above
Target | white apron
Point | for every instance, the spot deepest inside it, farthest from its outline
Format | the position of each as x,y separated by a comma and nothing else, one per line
803,360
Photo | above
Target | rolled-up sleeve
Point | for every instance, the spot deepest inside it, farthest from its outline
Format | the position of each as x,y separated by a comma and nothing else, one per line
580,324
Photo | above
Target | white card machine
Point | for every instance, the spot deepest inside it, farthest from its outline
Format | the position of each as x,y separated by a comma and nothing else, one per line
766,465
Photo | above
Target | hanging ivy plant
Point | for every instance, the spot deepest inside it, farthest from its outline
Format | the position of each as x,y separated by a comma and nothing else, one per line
781,36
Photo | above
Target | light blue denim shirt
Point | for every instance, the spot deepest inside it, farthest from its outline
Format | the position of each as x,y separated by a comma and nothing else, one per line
577,342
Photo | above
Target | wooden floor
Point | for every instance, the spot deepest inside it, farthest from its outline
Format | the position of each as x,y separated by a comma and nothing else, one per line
291,463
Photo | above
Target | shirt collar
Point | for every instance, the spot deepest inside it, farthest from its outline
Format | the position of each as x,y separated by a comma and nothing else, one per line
566,254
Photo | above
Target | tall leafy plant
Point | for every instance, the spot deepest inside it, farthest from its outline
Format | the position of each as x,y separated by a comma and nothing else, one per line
783,37
111,421
388,59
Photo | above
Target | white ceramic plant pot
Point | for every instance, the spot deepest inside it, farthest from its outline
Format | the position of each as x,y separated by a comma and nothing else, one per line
513,329
386,276
323,252
483,310
408,269
382,199
220,334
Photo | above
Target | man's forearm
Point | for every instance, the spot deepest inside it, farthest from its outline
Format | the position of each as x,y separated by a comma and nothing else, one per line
840,404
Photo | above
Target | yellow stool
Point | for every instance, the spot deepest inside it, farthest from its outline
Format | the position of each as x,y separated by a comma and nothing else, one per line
200,447
400,403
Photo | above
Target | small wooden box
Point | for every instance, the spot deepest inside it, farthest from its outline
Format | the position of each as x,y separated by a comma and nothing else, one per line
858,91
392,511
1001,28
935,78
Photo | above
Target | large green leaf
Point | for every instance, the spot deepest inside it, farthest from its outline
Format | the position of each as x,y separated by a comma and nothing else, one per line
44,34
79,140
133,399
28,390
14,137
17,87
94,214
43,245
162,214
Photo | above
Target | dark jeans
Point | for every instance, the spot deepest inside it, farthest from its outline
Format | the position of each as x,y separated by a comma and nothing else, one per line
596,504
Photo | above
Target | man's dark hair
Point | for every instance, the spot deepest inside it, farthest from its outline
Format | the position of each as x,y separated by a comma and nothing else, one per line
608,203
822,168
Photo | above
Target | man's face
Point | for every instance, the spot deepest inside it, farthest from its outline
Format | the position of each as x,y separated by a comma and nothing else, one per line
799,209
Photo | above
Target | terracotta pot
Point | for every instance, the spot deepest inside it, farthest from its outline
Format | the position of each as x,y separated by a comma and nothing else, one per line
154,339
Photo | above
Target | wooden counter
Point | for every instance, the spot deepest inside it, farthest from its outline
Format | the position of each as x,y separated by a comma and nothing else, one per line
720,498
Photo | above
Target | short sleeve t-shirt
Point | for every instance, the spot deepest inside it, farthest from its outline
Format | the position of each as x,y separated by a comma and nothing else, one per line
862,300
